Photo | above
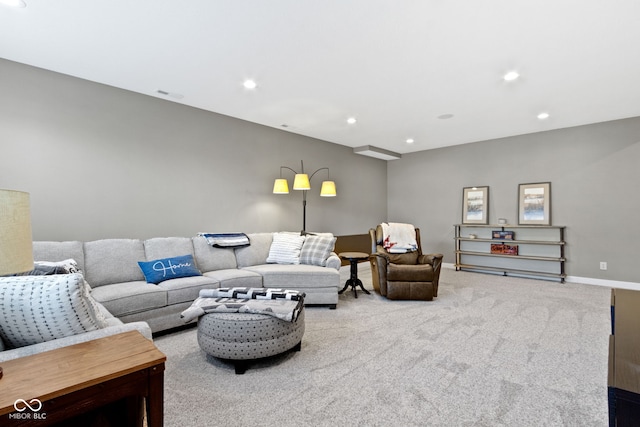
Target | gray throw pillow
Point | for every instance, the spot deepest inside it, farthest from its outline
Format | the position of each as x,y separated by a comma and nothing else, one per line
316,249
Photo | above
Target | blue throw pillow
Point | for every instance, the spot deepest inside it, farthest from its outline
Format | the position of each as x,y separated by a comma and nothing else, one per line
159,270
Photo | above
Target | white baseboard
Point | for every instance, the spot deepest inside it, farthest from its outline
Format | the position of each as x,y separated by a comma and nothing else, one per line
584,280
602,282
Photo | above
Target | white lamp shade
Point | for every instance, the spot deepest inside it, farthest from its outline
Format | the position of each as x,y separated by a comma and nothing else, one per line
281,186
301,182
16,240
328,189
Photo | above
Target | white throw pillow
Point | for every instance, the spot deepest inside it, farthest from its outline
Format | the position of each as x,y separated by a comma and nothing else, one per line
285,248
35,309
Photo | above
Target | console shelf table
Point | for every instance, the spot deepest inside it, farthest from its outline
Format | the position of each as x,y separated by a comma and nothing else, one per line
540,250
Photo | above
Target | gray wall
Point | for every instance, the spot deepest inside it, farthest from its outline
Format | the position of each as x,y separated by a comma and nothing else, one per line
594,173
102,162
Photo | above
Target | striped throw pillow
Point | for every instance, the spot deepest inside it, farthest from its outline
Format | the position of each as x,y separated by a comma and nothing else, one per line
285,248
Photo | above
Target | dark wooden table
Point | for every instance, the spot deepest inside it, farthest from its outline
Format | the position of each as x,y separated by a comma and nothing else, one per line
354,258
624,359
55,386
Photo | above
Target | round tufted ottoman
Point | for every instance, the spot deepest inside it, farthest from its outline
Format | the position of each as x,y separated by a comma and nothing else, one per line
240,337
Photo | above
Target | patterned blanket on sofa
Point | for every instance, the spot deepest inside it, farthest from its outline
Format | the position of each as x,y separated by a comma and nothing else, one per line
226,240
281,303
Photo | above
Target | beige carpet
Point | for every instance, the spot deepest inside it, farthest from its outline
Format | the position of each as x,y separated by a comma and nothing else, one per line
490,351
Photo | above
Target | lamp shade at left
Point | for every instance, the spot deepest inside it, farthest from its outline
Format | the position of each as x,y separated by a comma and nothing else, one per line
281,186
16,241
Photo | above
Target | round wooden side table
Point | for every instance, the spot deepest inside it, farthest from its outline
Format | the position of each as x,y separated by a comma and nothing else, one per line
354,258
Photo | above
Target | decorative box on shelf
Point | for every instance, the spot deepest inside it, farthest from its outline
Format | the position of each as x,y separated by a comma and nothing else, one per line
503,235
501,248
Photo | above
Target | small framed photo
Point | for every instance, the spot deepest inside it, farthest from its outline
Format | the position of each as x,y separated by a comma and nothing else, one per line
502,235
534,204
475,205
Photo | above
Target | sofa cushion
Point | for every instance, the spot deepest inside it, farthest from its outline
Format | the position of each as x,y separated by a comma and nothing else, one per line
209,258
296,276
257,252
59,251
167,247
316,249
113,261
187,288
285,248
232,278
408,258
130,297
159,270
35,309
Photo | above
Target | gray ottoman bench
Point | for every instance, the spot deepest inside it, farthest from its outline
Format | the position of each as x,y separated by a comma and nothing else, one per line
242,337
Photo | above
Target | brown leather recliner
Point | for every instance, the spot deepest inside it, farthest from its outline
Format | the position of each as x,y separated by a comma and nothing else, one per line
408,276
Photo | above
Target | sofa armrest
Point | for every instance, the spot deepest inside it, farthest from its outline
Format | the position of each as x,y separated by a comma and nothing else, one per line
379,263
436,262
434,259
334,261
16,353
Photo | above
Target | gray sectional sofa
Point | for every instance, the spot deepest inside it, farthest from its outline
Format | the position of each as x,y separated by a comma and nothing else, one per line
110,266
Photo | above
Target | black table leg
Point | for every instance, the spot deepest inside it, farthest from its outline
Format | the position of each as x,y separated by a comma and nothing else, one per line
353,281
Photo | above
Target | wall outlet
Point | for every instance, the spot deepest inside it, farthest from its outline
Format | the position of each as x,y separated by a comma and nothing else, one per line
603,265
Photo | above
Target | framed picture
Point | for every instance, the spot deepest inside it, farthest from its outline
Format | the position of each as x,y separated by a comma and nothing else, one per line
475,205
534,204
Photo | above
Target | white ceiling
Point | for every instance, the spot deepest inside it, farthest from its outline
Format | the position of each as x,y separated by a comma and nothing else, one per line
395,65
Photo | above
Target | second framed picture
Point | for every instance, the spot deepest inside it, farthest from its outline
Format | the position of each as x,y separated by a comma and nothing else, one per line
475,205
534,204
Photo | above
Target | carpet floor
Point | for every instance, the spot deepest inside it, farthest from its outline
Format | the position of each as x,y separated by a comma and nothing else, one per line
489,351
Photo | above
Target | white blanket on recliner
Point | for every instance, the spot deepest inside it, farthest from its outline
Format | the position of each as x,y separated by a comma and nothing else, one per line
399,237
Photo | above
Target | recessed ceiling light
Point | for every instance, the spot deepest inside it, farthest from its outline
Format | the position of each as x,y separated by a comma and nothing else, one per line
13,3
543,116
250,84
351,120
445,116
511,76
171,94
410,141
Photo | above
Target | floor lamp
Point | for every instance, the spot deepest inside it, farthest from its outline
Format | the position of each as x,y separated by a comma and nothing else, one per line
16,241
301,181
